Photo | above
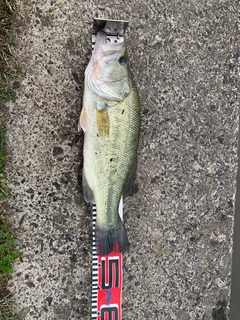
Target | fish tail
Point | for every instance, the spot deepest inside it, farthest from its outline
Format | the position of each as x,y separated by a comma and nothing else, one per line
111,238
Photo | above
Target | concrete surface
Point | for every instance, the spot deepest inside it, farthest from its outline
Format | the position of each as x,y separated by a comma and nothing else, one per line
235,285
180,221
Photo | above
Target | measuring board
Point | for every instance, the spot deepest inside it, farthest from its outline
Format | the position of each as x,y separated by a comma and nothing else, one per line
107,270
106,282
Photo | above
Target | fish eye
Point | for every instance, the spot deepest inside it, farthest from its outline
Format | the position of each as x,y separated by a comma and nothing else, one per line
122,61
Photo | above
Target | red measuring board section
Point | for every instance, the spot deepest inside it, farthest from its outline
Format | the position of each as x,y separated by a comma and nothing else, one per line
106,283
110,287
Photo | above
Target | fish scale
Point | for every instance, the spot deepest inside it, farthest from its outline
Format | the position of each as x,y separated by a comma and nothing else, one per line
112,165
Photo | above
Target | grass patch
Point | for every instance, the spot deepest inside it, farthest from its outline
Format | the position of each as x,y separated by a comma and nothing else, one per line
6,92
7,243
5,309
8,254
9,69
4,190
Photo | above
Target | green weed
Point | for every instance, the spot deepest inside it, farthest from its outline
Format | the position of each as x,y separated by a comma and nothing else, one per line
8,254
4,190
9,68
7,93
6,306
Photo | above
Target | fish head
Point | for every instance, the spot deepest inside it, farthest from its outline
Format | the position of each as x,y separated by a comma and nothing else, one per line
108,72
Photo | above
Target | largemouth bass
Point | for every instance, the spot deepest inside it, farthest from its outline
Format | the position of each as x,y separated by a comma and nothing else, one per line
110,119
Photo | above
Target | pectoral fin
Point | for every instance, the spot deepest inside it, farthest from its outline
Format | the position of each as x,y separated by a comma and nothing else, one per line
83,120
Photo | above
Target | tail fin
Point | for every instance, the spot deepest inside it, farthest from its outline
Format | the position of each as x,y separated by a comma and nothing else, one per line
111,238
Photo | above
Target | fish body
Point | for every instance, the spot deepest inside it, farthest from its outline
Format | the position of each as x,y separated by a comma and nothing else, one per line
110,119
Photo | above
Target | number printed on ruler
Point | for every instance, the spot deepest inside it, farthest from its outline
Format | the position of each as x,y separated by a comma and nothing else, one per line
109,287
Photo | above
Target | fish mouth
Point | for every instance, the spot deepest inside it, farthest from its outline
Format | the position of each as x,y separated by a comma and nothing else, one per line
105,49
100,41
